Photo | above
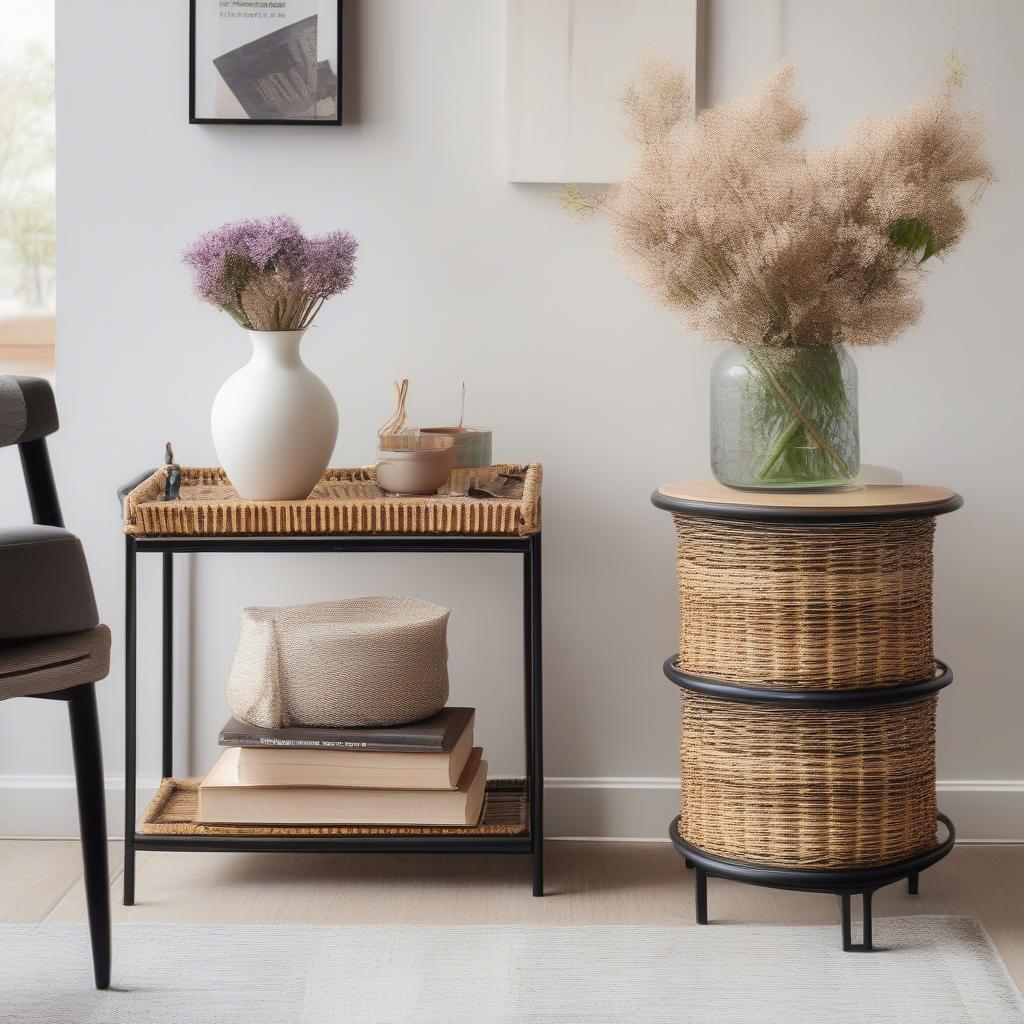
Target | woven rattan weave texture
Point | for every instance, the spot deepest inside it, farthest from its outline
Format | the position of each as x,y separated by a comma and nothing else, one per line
346,501
838,602
836,606
808,788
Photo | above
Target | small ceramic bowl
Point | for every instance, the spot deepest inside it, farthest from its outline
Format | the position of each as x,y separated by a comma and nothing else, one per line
419,471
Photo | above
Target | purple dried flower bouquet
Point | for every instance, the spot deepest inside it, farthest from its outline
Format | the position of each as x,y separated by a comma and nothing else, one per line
267,274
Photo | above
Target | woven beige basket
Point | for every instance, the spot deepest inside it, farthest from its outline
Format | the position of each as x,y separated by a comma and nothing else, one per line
834,607
808,788
346,501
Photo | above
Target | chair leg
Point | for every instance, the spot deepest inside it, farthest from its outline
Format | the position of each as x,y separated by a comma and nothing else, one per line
92,820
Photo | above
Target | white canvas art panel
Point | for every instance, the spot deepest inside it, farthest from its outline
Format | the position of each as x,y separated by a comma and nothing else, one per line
566,63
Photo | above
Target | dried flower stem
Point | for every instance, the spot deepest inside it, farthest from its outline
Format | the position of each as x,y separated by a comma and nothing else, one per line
751,236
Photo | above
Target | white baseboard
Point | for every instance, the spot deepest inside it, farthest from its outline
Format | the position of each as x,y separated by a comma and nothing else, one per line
633,807
625,807
45,805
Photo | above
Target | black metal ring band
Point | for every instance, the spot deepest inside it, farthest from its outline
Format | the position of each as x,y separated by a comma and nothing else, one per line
789,514
848,880
809,698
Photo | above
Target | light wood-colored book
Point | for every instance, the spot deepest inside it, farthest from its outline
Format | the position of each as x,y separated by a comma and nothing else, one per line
225,799
359,769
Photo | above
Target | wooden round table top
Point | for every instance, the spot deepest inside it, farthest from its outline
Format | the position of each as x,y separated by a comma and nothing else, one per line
863,502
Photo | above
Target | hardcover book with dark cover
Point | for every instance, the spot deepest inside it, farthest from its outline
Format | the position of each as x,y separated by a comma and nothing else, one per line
435,734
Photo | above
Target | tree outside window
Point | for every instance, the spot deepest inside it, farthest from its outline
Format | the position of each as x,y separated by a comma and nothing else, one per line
27,215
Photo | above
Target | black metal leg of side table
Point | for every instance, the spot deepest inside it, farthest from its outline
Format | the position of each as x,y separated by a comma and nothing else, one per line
167,695
129,720
533,667
849,946
845,883
700,891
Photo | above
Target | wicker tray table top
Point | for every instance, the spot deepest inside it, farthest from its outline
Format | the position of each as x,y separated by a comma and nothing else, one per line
345,501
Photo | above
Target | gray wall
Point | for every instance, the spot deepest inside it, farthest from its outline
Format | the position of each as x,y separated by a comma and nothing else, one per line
463,275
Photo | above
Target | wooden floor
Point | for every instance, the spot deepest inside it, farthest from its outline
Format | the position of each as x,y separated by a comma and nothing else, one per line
588,883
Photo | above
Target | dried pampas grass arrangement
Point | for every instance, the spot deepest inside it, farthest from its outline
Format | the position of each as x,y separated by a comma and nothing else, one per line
751,236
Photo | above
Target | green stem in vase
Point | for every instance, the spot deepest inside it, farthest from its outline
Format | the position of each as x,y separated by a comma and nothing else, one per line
780,447
819,387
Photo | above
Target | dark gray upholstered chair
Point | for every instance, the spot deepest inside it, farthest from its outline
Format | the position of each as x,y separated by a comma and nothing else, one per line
51,642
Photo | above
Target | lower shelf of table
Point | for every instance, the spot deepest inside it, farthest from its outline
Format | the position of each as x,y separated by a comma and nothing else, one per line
170,821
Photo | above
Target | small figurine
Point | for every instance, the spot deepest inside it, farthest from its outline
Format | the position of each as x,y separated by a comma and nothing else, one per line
173,474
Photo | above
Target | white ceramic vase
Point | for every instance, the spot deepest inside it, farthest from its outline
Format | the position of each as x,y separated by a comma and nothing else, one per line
274,422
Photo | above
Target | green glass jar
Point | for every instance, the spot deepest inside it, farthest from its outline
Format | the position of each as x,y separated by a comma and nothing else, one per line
784,418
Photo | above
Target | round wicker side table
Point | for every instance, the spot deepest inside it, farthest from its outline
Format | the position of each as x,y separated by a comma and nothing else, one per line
808,688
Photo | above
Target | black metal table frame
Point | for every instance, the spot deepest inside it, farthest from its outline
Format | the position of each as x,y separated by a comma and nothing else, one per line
842,883
533,843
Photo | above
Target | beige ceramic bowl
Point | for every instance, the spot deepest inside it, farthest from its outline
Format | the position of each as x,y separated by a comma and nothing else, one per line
420,471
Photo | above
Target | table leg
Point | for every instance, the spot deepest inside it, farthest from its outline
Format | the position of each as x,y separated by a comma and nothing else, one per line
865,945
700,894
167,760
533,667
129,721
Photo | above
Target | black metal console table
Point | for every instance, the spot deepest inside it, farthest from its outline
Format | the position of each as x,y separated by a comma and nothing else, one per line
529,547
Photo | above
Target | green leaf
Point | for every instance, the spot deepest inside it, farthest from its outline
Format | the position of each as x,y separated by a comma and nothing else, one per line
913,235
931,248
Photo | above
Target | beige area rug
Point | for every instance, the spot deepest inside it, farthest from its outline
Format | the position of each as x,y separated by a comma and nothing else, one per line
938,970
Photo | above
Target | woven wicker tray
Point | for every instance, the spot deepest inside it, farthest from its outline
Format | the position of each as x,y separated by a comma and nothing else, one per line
172,812
346,501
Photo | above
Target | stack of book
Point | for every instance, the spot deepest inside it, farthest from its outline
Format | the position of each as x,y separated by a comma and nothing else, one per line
426,773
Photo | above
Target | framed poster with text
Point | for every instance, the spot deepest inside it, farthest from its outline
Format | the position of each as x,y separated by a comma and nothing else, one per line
265,62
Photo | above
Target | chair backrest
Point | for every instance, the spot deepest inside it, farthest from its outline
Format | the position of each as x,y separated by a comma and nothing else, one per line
27,410
28,413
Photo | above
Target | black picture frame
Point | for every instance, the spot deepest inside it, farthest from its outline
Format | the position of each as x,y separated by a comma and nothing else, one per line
193,119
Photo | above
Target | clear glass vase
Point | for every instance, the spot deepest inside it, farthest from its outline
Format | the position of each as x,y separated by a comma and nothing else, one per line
784,418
